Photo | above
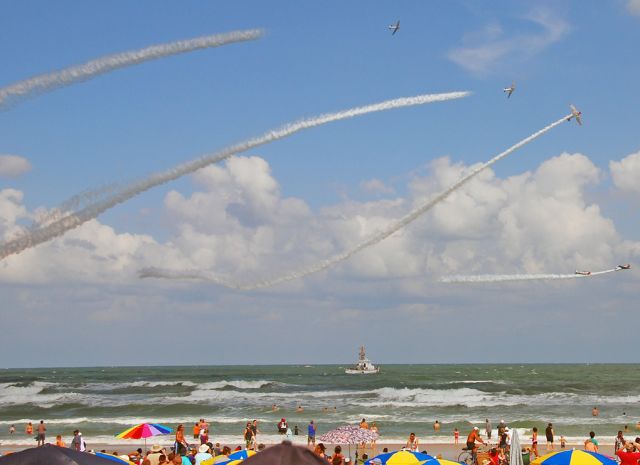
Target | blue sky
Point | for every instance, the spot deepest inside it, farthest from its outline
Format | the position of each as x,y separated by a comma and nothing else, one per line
318,57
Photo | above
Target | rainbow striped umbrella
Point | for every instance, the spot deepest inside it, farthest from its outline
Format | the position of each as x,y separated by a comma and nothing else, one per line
144,431
574,457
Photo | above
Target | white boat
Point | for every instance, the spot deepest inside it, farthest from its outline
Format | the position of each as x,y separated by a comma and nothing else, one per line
363,366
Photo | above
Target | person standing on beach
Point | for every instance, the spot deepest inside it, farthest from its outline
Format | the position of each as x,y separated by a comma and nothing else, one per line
42,429
412,443
501,428
534,442
248,436
59,441
374,428
618,442
456,436
12,429
254,427
196,430
181,445
282,426
548,432
487,428
591,444
311,434
363,425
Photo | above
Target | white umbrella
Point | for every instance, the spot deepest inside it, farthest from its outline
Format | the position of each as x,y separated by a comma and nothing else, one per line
515,454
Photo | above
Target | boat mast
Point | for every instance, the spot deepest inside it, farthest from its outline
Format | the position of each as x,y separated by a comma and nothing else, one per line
362,354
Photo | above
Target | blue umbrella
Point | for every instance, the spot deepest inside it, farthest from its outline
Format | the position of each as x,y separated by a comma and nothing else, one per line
400,456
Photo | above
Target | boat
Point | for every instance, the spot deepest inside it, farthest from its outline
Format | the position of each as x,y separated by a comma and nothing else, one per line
363,366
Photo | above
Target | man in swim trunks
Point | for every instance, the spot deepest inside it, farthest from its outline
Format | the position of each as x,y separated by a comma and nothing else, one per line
474,436
42,429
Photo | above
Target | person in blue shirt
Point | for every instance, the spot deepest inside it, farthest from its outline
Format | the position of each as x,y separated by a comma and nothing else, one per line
311,433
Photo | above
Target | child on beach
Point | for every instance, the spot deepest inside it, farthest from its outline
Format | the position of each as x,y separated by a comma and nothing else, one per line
456,436
563,442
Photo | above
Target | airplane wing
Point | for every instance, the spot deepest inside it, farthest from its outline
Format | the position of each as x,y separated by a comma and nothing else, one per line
579,120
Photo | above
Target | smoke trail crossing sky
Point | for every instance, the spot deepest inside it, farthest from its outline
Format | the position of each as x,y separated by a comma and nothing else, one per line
46,82
374,239
33,237
499,278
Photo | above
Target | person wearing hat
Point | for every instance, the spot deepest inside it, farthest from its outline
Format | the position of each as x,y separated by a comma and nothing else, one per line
203,454
154,455
474,436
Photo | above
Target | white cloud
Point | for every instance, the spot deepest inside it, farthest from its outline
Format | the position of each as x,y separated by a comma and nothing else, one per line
238,226
626,173
13,165
634,7
376,186
538,221
482,51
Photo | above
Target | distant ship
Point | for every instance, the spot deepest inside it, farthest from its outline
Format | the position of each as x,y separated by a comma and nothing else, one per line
363,367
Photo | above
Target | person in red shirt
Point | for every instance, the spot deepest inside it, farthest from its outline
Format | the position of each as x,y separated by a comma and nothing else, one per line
627,455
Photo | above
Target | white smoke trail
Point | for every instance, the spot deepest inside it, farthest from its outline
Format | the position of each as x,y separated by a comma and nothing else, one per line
374,239
31,238
45,82
499,278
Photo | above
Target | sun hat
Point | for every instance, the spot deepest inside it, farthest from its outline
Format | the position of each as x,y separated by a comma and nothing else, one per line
476,428
203,448
156,448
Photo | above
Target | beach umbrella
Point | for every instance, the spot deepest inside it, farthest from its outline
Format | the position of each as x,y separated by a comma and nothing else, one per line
144,431
573,457
239,456
400,457
285,454
120,460
515,453
348,434
53,455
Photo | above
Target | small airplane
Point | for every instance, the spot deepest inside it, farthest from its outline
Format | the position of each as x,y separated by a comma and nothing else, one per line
575,114
509,90
394,27
583,273
623,267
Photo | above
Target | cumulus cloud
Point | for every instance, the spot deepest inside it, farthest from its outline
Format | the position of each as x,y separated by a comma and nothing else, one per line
634,7
237,225
13,165
626,173
482,51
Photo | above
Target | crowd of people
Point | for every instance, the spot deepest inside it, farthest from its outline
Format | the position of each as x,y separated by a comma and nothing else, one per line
493,453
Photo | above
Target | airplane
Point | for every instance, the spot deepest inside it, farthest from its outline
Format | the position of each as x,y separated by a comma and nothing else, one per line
575,114
583,273
510,90
394,27
623,267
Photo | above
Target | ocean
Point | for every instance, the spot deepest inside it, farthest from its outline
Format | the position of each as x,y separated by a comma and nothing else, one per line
104,401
